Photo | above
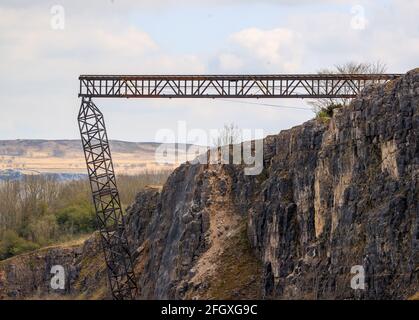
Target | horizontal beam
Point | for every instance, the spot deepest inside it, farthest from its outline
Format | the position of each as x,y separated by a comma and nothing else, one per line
229,86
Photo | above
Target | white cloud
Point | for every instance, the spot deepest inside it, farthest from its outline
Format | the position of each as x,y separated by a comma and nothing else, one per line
229,62
277,49
391,36
161,4
315,40
129,41
40,66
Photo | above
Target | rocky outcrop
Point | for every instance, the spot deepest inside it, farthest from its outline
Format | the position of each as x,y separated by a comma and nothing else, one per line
335,196
28,276
191,240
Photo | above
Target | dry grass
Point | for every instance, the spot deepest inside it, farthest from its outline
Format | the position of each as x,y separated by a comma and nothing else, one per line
414,297
124,164
239,271
75,242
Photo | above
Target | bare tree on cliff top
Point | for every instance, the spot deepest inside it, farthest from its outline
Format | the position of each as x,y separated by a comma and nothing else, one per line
325,106
230,134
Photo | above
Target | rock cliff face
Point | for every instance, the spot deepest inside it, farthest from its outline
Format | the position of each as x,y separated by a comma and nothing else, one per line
191,238
334,194
343,194
28,276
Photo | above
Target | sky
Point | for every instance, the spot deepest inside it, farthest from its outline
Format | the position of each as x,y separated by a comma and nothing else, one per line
46,45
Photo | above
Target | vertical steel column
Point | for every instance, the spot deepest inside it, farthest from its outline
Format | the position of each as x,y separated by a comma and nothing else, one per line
109,214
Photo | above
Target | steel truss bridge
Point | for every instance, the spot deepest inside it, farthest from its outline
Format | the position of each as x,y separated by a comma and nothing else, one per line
229,86
110,217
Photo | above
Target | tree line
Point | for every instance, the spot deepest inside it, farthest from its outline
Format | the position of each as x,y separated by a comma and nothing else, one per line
39,210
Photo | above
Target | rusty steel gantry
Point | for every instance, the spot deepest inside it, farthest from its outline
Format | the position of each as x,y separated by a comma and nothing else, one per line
120,266
229,86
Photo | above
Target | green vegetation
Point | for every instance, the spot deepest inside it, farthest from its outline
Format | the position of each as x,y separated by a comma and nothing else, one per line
326,112
78,218
38,211
12,244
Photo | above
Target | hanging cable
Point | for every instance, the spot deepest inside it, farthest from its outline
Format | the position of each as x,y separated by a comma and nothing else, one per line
264,104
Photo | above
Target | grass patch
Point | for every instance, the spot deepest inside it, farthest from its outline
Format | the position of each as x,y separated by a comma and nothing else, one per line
414,297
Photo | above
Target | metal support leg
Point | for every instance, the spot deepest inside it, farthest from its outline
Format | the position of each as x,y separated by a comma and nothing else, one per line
106,201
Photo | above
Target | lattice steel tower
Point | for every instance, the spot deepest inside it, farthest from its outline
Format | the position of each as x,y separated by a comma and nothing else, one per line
106,200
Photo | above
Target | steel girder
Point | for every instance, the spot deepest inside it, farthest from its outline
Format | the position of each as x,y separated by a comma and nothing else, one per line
229,86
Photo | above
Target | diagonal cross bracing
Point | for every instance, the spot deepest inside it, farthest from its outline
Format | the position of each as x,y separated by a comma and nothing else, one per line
228,86
106,201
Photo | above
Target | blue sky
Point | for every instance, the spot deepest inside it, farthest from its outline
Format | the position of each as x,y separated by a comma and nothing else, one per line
40,65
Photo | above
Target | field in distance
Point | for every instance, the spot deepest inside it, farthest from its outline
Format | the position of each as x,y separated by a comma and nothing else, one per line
66,156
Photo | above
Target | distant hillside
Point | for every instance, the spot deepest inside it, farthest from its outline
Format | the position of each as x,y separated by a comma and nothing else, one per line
65,157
